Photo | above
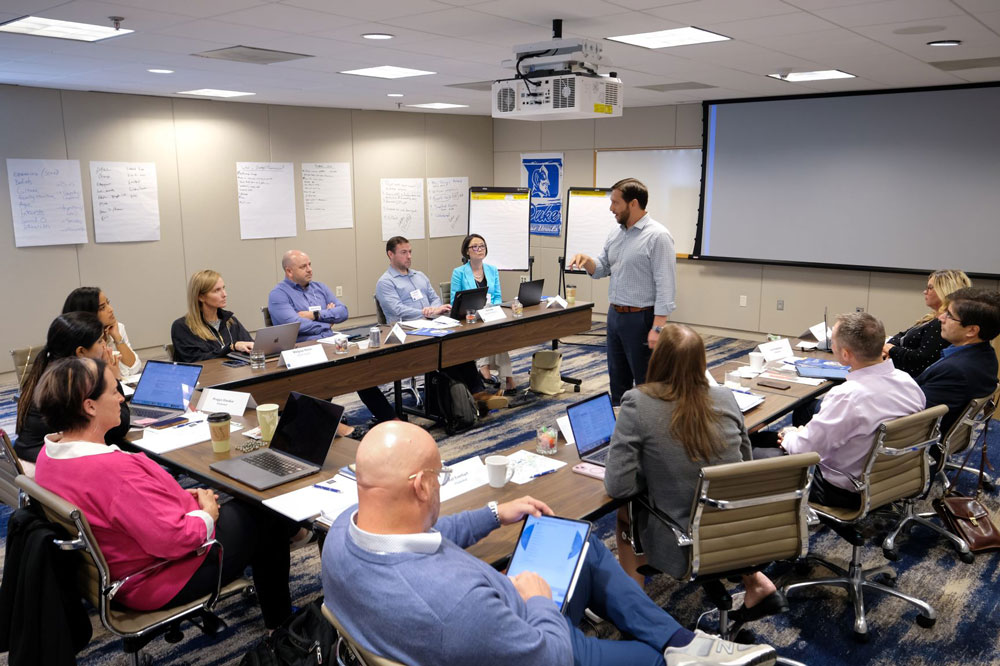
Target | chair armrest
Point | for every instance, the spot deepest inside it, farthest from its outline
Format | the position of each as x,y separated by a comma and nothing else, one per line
682,537
724,505
111,590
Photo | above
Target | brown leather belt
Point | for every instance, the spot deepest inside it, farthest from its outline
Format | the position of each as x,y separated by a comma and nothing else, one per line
620,309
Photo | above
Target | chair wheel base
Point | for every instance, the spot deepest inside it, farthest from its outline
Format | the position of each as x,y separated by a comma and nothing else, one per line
744,637
968,558
862,636
175,635
989,485
926,622
891,554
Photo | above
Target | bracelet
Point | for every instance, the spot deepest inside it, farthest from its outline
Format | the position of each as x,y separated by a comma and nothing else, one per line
496,512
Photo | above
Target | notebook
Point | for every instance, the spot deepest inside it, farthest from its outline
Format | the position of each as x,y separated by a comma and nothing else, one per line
164,390
470,299
554,548
272,341
529,293
592,422
301,441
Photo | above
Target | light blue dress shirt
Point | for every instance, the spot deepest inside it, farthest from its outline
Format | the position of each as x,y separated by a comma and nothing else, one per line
396,293
287,299
642,266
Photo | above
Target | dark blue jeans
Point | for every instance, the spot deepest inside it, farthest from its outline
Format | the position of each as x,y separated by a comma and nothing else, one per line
628,350
606,589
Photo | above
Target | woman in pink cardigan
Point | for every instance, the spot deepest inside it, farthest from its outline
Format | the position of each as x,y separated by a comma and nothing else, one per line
138,512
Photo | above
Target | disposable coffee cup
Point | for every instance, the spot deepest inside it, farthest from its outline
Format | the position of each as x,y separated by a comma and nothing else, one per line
571,294
756,361
267,419
218,430
497,471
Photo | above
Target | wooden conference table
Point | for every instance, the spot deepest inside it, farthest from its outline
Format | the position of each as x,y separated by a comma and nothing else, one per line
361,368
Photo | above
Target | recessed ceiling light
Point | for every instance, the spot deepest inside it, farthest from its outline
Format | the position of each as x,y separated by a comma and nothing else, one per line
820,75
439,105
662,39
214,92
46,27
945,42
388,72
160,71
377,35
394,94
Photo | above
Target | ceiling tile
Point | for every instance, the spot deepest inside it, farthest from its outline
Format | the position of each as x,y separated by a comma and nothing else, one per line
889,11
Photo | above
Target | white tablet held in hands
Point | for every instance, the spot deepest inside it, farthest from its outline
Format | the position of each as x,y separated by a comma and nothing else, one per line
554,548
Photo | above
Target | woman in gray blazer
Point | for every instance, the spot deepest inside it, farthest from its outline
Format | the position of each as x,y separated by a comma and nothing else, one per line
667,430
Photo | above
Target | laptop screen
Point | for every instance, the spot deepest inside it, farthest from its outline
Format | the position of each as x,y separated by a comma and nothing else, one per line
592,422
307,427
167,385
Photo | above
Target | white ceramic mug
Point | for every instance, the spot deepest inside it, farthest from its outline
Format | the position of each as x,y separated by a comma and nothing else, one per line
756,361
497,471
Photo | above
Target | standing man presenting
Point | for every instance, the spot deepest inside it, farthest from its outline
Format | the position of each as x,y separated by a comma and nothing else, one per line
639,257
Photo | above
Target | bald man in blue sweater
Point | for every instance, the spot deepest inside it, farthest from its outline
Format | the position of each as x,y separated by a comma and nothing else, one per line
397,577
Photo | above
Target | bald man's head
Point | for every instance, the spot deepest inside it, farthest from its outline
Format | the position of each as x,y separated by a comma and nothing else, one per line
298,267
388,501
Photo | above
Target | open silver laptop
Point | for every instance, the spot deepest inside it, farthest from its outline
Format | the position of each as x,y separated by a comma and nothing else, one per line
301,441
593,423
529,293
272,341
164,389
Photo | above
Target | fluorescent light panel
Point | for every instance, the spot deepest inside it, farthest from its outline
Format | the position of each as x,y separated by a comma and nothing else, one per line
388,72
214,92
820,75
160,71
439,105
37,26
662,39
377,35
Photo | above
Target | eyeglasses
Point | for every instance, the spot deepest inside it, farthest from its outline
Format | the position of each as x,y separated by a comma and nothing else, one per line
948,315
928,288
477,248
443,474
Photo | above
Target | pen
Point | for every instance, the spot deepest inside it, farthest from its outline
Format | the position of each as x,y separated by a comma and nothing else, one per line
322,487
543,473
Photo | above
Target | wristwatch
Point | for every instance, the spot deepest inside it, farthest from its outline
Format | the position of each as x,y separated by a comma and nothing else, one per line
496,512
315,315
657,329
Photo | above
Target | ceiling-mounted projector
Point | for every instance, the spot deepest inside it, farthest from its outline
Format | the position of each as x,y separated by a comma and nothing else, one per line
557,80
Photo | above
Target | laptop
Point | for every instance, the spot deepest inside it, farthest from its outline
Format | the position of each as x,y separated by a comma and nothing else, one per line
301,441
470,299
272,341
164,390
529,293
592,422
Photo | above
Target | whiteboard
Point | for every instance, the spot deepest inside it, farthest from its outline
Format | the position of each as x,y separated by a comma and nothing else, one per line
588,221
46,202
501,216
673,178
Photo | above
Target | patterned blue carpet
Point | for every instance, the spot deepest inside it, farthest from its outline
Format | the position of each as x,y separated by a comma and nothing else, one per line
816,631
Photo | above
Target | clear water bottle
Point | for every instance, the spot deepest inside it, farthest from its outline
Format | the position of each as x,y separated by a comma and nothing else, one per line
516,308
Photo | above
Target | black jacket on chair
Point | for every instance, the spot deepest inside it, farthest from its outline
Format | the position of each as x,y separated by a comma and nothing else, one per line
42,619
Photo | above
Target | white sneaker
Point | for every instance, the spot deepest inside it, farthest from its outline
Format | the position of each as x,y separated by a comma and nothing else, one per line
709,650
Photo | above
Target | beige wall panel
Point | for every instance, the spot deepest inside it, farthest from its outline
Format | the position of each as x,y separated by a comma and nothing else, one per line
298,135
689,124
897,299
519,135
507,169
145,281
456,146
806,291
211,138
708,293
567,134
386,145
644,127
37,278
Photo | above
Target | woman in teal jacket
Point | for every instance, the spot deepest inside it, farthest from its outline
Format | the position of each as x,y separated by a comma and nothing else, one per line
472,274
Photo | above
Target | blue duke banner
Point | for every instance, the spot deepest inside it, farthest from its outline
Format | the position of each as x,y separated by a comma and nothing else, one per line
542,172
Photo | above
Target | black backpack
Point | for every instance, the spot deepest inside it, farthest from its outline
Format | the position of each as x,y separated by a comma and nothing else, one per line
453,402
305,638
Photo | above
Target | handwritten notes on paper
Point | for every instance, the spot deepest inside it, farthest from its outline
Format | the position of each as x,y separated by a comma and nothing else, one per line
326,195
46,202
448,206
126,207
266,194
402,207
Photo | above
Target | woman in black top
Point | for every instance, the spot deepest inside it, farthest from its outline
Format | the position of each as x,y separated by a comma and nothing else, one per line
207,330
916,348
70,334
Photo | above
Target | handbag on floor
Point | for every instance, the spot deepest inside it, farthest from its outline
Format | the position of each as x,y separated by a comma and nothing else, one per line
305,638
967,517
545,374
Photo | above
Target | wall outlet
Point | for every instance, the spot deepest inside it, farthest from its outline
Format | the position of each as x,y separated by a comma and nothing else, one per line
524,278
743,300
781,304
340,291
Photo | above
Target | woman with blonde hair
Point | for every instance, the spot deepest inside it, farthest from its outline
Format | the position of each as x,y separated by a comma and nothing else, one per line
207,330
667,430
916,348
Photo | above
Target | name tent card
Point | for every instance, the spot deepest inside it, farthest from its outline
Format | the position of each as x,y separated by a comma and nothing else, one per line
301,357
557,300
396,332
219,400
492,313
